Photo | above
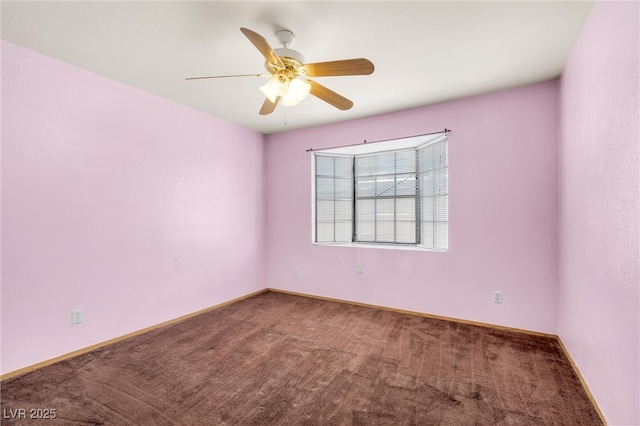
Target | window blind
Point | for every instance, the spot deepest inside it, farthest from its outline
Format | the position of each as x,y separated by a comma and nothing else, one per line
433,187
334,198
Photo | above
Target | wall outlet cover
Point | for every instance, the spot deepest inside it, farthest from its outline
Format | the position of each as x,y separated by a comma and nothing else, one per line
76,316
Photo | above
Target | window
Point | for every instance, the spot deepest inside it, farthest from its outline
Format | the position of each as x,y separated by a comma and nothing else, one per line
334,198
386,197
392,193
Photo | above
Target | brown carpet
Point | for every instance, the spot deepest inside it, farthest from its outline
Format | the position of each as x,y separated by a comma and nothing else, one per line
281,359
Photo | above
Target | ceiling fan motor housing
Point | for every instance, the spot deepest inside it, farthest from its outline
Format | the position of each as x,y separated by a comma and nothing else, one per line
292,59
289,53
293,63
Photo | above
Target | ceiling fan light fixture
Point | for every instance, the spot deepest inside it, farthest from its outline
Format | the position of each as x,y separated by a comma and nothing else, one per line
298,90
277,85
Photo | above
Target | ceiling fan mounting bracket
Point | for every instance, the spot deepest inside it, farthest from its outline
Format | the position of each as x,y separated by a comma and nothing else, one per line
286,38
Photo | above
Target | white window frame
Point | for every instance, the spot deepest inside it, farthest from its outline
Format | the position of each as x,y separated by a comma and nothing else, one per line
414,142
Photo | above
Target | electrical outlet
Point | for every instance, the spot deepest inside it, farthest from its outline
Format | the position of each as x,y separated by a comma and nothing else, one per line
497,296
359,268
76,316
296,272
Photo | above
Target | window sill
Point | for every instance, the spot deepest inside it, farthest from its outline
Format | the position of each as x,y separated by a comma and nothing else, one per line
382,246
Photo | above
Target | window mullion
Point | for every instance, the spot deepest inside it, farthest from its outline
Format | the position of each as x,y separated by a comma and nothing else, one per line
315,158
335,200
375,220
418,203
395,199
435,187
354,214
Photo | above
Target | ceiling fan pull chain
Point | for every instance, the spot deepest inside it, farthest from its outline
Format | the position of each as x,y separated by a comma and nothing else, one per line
285,114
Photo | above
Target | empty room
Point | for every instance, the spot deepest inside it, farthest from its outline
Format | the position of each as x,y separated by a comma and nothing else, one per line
320,213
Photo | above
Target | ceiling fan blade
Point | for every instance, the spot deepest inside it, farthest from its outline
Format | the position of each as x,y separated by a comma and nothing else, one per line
359,66
227,76
261,44
268,106
329,96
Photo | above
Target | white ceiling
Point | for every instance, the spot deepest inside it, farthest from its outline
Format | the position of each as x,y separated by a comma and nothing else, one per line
424,52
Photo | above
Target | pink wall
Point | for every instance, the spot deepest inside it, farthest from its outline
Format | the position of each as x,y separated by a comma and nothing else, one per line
599,279
118,202
503,214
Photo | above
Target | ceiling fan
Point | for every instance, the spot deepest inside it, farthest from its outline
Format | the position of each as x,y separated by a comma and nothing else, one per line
288,73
